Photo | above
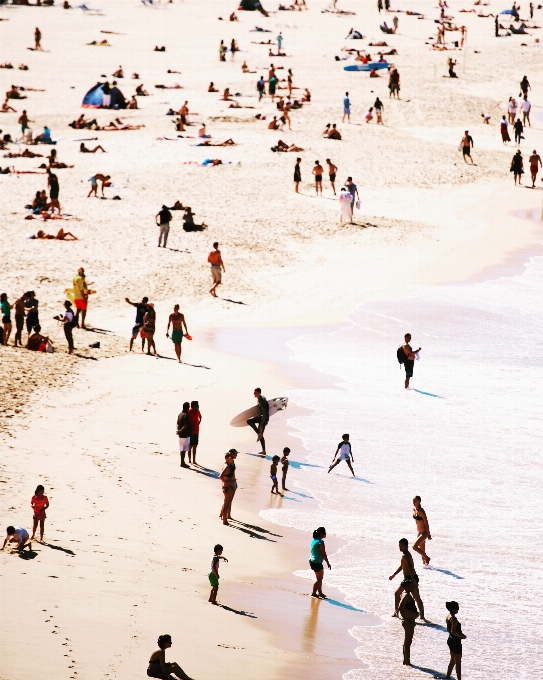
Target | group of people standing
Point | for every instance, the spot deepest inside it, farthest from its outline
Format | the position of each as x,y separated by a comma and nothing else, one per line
145,327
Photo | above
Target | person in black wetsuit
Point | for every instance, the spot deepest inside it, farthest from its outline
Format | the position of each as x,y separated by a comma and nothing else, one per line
158,668
261,419
454,640
408,612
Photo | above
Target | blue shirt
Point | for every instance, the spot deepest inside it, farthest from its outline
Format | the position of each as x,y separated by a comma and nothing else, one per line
346,102
279,40
351,188
46,135
316,553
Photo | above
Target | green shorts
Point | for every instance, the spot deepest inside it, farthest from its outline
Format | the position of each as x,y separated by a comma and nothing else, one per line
213,580
177,337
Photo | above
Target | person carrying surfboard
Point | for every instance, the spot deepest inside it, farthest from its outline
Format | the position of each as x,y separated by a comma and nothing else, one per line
261,420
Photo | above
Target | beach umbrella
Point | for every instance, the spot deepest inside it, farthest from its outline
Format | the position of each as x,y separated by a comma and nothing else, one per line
94,97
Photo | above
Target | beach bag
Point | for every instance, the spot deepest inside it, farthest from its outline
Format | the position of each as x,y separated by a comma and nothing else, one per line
400,355
49,348
357,205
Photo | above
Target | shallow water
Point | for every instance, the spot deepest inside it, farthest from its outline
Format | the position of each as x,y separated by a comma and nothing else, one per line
467,437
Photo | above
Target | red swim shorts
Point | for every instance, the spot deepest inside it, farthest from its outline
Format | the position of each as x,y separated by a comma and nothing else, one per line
80,304
40,515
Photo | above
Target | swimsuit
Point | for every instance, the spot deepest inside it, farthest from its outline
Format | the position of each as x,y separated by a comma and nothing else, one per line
318,178
454,643
154,670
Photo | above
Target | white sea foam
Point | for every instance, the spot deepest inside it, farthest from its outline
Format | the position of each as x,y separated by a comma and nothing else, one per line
467,438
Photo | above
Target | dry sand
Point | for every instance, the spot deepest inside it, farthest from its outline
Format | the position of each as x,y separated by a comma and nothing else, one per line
99,433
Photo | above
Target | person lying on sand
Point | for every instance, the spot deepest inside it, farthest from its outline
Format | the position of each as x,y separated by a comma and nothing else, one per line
133,103
61,235
113,127
282,147
7,64
140,92
101,43
276,54
235,105
25,154
228,142
175,86
82,124
84,149
5,171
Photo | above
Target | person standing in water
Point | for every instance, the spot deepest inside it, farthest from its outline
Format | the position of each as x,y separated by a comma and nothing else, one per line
261,419
410,356
215,260
158,668
454,641
419,515
177,321
273,475
407,566
318,556
345,453
408,612
285,464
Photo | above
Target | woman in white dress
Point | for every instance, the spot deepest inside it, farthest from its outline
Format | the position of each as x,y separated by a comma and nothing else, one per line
345,204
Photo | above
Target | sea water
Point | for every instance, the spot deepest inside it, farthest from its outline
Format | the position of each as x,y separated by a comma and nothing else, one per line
467,437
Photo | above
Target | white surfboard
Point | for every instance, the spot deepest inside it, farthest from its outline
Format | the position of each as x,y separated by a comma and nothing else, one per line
277,406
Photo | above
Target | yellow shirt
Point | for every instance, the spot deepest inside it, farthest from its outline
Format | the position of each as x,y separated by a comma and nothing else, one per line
80,288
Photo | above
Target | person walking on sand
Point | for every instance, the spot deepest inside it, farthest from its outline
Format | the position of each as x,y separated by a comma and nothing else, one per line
177,321
467,144
54,190
228,479
519,129
158,668
423,528
345,205
261,87
37,39
454,641
332,171
215,260
407,566
273,475
409,360
261,420
297,175
195,420
284,466
346,107
81,295
317,171
23,121
163,219
345,453
394,84
141,308
353,190
214,573
517,167
535,164
504,125
512,109
19,536
39,504
408,613
379,108
317,557
526,108
183,432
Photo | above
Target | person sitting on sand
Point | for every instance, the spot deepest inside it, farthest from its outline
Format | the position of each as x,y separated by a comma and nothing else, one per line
189,224
226,96
140,92
14,93
374,74
334,133
84,149
133,103
274,124
6,108
54,163
36,340
212,87
135,76
178,206
307,96
179,125
233,17
44,137
158,668
202,132
119,73
61,235
245,68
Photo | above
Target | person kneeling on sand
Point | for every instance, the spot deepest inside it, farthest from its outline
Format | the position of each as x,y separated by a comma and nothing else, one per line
19,536
158,667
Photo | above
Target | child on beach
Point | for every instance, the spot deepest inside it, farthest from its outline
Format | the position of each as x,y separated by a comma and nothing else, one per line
39,504
273,475
18,535
284,461
345,453
214,573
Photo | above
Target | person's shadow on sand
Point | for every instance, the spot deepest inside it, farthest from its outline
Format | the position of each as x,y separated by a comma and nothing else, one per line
237,611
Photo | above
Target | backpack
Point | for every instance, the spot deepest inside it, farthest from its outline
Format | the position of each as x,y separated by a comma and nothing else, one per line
400,355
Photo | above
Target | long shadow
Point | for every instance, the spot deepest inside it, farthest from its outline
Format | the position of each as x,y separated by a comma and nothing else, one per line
28,554
292,463
252,534
361,479
175,250
58,547
256,528
429,624
81,356
97,330
447,572
296,500
208,368
299,493
237,611
343,605
204,471
427,394
430,671
236,302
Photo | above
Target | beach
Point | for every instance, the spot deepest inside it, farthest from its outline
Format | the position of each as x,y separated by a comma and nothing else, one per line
310,308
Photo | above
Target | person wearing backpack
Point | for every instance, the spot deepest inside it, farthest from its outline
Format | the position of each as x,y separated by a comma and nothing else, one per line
406,356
